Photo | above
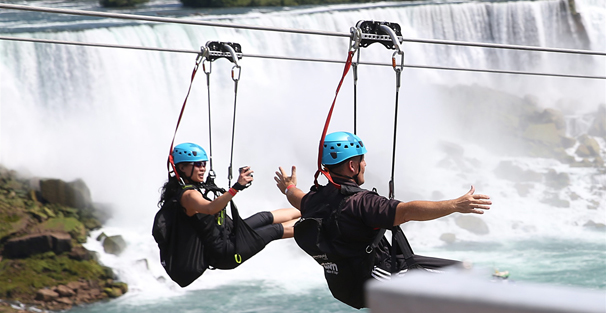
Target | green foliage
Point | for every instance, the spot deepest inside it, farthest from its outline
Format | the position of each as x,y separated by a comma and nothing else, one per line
121,3
22,213
23,277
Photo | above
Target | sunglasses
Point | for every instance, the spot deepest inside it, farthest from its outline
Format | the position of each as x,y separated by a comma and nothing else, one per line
199,164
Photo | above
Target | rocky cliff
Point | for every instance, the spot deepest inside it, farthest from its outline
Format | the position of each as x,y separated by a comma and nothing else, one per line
43,224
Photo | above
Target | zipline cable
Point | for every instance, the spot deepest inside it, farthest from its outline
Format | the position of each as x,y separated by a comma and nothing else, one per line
284,30
286,58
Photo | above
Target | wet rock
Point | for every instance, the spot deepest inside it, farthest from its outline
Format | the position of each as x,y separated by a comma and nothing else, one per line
120,285
65,301
472,224
113,292
554,200
592,224
557,180
101,237
46,295
142,263
523,188
448,237
552,116
593,205
507,170
583,163
75,285
74,194
25,246
68,225
81,254
567,142
452,149
114,244
65,291
598,128
588,147
546,134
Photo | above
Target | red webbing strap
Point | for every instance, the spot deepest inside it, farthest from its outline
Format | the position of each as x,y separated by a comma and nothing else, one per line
321,148
171,162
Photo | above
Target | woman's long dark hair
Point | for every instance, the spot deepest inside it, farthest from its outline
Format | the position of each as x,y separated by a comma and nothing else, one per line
170,189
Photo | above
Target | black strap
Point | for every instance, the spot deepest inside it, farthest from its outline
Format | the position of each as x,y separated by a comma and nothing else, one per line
375,243
398,237
395,131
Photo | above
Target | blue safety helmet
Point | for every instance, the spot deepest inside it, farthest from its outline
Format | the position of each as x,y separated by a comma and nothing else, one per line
340,146
188,152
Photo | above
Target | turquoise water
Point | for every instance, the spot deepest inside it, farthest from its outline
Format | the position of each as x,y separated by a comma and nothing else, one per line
554,261
244,297
550,261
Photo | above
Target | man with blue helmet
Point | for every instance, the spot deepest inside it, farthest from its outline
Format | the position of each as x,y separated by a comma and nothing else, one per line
340,222
186,192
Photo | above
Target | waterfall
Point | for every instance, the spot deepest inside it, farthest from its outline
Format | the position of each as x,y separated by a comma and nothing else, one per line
108,115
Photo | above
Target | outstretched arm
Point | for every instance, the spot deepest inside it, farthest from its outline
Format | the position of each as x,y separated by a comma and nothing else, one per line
429,210
288,186
193,202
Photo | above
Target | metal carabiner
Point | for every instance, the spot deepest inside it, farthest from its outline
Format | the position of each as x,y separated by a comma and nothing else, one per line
397,69
355,39
202,58
210,66
394,64
233,74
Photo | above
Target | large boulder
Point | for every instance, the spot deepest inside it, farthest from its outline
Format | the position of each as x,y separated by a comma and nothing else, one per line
68,225
473,224
46,295
588,147
508,170
546,134
114,244
26,246
598,128
74,194
557,180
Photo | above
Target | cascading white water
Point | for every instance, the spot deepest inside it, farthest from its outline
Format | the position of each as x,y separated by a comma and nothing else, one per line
108,115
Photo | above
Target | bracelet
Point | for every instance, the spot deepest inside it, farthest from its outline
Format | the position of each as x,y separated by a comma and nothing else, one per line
232,192
237,186
288,188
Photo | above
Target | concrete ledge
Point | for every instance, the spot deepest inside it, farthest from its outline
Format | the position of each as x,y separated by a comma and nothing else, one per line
474,292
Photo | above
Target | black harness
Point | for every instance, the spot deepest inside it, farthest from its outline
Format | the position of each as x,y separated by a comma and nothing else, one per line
181,238
347,266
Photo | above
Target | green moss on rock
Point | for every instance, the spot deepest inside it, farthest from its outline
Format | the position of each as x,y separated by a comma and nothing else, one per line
69,225
21,278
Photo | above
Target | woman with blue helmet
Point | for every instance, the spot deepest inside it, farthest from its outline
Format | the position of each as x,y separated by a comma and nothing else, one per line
188,189
349,236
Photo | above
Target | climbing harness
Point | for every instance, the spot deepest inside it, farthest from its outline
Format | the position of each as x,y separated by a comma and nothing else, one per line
389,35
212,51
